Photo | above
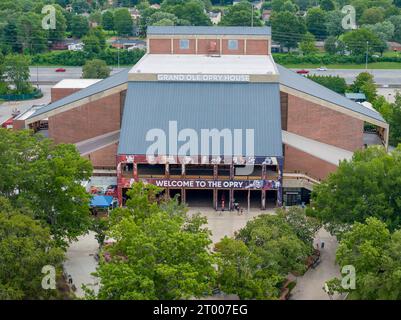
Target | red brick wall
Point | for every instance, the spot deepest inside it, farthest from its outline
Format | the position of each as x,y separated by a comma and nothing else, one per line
87,121
177,50
298,161
240,50
159,46
59,93
104,158
204,45
323,124
257,47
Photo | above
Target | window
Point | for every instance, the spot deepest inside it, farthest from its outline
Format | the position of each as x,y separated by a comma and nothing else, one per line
184,44
233,44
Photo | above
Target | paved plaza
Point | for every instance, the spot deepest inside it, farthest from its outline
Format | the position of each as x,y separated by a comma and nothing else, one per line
81,263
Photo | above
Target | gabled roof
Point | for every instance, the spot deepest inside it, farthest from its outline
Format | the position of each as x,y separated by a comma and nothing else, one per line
105,84
295,81
193,30
202,105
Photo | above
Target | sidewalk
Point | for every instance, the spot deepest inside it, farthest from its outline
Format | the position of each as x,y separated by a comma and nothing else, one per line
81,263
310,285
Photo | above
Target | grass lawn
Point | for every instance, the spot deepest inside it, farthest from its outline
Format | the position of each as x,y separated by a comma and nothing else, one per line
375,65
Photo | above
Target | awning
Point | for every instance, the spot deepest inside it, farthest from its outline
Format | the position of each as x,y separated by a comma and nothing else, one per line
101,201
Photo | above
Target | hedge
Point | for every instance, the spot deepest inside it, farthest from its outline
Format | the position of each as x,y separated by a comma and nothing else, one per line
325,59
78,58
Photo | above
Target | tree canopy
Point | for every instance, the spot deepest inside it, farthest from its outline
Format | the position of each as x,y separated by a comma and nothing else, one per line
159,253
366,186
46,178
375,253
26,247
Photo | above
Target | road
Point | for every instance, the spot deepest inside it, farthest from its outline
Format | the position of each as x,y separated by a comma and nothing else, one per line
48,75
382,77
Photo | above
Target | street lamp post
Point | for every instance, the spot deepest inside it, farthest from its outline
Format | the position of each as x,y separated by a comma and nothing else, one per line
367,53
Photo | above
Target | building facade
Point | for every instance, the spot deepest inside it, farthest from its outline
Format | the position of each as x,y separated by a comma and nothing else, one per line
211,78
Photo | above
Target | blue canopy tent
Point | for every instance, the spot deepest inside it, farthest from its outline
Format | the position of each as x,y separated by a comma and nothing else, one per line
101,201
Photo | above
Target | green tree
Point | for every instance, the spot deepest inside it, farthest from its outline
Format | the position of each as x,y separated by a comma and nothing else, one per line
307,45
365,83
396,21
31,36
375,254
46,178
79,26
240,15
123,23
58,34
393,117
372,16
333,23
94,41
334,83
366,186
357,41
285,23
327,5
240,272
383,30
330,45
108,21
95,69
25,247
16,70
316,22
159,253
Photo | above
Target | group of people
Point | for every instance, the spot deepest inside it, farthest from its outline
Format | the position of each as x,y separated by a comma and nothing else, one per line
237,207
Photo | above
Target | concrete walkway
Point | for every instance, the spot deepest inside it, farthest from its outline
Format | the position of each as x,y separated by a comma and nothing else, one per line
225,223
81,263
310,285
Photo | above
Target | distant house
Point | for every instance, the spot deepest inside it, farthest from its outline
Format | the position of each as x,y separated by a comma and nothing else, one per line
135,14
394,46
66,44
266,15
128,44
319,45
357,97
155,6
76,46
215,17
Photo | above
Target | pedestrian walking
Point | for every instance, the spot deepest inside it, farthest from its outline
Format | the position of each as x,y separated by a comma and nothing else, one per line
322,244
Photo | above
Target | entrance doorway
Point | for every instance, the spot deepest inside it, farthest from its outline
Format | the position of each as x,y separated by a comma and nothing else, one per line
255,198
199,198
175,193
223,199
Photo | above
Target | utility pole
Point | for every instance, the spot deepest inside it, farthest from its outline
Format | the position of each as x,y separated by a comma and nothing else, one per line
367,54
118,57
252,15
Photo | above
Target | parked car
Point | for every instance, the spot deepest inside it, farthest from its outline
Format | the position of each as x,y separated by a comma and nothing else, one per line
60,70
303,71
321,69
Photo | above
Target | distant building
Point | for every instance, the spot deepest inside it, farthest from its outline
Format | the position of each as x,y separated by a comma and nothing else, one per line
266,15
128,44
155,6
357,97
76,47
394,46
215,17
319,45
135,14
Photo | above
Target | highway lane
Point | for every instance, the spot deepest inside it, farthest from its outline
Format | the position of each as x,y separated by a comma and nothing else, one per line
49,75
383,77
